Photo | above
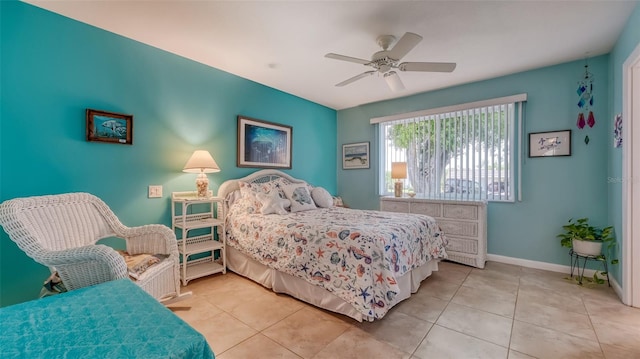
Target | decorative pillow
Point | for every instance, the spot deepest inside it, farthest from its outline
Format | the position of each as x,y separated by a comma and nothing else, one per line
338,202
53,285
248,205
255,188
298,194
272,203
247,194
250,190
322,197
233,197
137,264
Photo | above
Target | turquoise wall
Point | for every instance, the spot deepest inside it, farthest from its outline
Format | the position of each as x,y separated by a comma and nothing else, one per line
53,68
553,189
627,42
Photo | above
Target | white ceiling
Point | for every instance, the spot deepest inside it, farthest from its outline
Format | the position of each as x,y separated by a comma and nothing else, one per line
282,44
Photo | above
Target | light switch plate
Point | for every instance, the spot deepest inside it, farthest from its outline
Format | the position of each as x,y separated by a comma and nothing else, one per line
155,191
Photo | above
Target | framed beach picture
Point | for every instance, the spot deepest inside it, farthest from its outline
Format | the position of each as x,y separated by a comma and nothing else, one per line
111,127
355,155
549,144
263,144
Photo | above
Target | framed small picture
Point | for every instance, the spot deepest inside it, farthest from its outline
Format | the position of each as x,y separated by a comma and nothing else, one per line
617,131
549,144
355,155
109,127
263,144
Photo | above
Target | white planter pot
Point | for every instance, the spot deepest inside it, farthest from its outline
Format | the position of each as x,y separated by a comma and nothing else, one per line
587,248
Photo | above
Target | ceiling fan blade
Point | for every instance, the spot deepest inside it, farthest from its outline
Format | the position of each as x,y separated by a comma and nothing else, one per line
394,82
406,43
347,58
427,66
355,78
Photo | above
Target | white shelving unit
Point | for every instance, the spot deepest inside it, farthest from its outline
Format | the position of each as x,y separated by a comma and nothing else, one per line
205,216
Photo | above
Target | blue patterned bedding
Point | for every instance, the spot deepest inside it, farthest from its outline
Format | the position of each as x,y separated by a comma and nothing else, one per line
355,254
111,320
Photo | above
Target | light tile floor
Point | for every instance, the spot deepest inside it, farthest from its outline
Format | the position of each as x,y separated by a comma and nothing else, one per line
502,311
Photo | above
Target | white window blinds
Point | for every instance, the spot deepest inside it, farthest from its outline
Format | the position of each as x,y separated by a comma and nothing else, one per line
462,152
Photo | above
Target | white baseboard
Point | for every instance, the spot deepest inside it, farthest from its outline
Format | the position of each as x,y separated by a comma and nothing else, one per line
550,267
616,286
533,264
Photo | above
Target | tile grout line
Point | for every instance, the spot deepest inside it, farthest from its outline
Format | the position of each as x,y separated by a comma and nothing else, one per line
593,326
513,319
261,331
436,320
257,331
481,310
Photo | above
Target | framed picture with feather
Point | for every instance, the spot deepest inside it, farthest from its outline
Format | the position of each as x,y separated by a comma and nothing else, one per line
355,155
550,144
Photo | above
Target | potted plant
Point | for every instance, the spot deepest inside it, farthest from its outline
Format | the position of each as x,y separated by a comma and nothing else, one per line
587,241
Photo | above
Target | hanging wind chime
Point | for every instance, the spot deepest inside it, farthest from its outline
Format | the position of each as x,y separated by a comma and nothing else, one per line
585,92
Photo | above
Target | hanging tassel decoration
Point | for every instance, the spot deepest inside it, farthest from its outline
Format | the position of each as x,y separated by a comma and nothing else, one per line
581,102
591,120
581,121
585,102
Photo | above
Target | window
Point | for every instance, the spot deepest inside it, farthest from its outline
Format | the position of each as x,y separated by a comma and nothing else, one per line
464,152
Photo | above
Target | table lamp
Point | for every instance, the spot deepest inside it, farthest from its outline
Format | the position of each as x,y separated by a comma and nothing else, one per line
399,172
201,162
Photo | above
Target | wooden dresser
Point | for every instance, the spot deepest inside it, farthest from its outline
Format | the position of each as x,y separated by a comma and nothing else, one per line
463,222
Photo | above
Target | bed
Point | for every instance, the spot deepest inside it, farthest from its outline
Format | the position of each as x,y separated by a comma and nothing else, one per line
114,319
359,263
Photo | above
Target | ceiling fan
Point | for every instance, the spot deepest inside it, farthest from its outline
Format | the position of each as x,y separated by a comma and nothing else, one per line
385,61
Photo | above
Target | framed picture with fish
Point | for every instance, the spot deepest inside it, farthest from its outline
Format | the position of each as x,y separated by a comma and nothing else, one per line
263,144
355,155
111,127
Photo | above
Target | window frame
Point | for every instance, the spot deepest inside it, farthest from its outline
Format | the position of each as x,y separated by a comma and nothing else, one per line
513,109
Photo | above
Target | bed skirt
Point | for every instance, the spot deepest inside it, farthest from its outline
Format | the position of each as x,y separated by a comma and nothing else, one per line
298,288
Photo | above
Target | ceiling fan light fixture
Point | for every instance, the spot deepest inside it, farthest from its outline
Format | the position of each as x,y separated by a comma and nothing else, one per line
393,81
384,41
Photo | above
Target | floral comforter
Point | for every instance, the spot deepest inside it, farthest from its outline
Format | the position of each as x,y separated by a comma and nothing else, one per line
355,254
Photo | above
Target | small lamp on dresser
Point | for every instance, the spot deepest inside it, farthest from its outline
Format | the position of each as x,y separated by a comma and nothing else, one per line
398,172
201,162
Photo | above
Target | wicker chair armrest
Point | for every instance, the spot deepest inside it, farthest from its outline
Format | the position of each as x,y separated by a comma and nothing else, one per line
151,238
91,252
107,256
84,266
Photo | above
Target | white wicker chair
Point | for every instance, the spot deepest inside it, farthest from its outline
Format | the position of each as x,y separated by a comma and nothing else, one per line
61,231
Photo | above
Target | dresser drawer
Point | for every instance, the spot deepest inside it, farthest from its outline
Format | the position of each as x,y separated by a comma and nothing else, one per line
393,206
467,229
460,211
430,209
462,245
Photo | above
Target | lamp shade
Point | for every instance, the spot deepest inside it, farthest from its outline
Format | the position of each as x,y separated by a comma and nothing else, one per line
398,170
201,162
